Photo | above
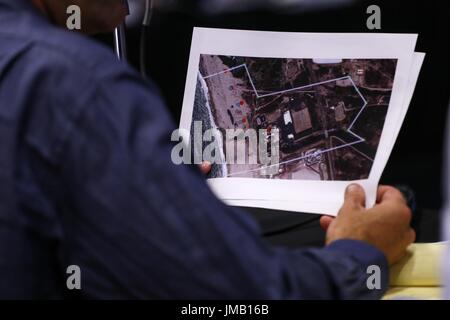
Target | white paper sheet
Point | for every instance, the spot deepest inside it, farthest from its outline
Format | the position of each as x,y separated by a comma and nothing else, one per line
320,207
305,195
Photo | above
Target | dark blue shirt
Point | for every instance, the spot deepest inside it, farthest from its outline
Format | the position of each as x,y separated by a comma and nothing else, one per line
86,179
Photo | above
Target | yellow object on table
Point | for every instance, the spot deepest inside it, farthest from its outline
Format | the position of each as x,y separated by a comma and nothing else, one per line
418,274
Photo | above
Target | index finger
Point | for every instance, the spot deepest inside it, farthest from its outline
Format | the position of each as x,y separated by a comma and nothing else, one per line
390,194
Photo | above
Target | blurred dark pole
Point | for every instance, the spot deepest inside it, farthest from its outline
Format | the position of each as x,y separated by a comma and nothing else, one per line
120,43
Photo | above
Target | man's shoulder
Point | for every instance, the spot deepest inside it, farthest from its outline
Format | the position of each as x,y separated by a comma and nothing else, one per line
58,49
78,52
59,73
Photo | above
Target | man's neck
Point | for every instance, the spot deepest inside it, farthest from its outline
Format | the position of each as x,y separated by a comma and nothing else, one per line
47,8
41,6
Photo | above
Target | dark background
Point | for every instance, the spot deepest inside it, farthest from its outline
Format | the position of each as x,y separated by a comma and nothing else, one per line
416,160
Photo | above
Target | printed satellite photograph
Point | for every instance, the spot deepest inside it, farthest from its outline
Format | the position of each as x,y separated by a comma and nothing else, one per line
329,113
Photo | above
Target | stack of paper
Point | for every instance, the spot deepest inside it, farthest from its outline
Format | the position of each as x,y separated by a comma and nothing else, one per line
290,119
418,274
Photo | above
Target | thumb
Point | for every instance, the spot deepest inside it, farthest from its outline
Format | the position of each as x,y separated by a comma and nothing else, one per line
355,196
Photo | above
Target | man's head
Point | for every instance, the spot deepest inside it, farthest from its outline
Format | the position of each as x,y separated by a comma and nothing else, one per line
97,16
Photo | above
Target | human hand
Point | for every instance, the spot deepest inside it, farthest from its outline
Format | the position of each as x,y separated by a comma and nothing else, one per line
385,226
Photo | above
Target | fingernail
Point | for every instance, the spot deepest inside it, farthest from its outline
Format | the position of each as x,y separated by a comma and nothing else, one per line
353,188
